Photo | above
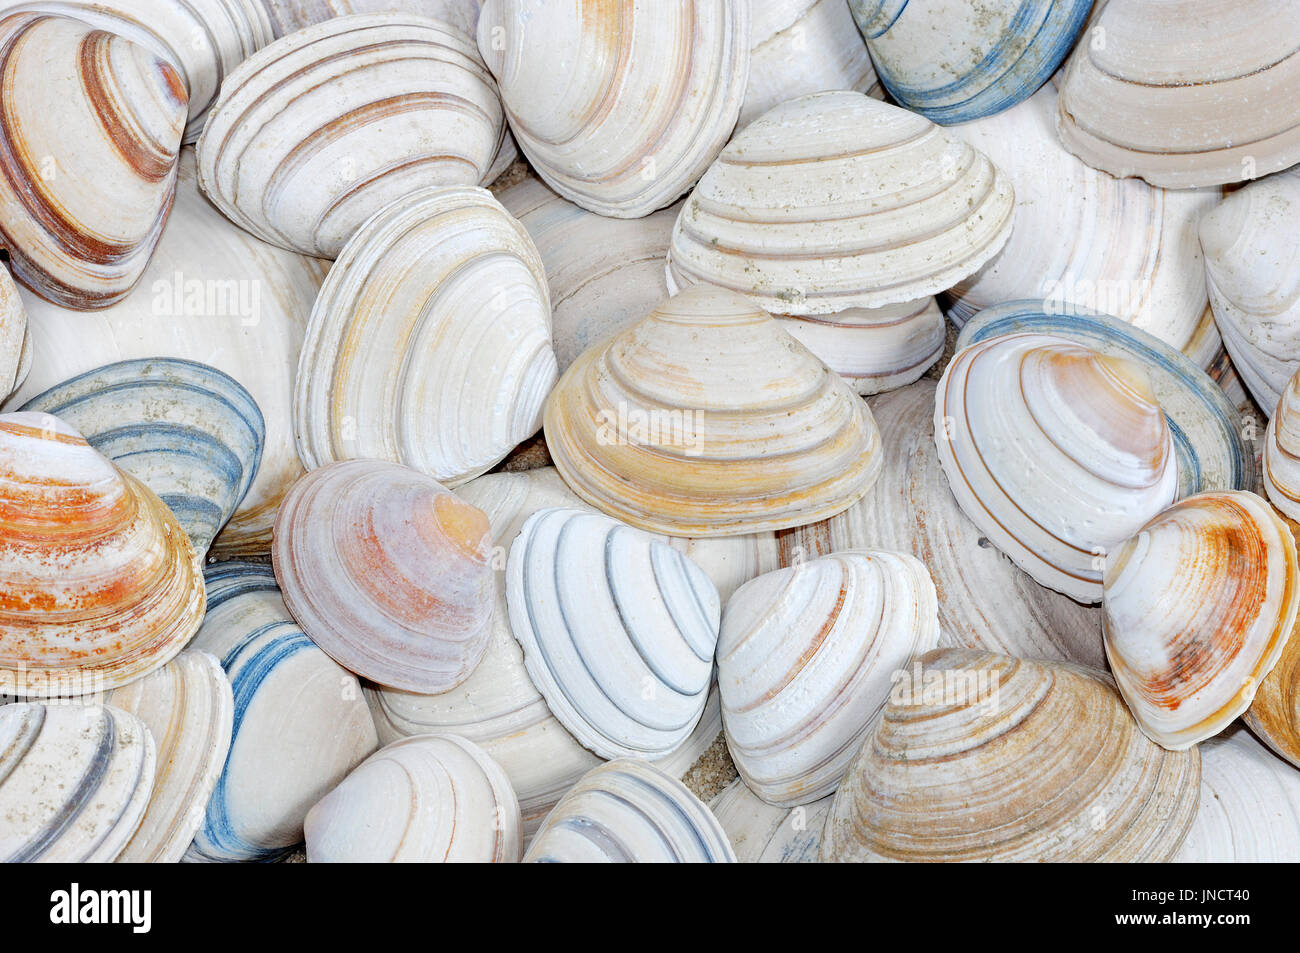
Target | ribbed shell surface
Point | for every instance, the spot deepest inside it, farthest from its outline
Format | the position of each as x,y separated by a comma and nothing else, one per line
1281,462
15,341
763,834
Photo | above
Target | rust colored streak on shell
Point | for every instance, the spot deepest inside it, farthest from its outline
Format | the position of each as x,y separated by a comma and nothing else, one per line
148,160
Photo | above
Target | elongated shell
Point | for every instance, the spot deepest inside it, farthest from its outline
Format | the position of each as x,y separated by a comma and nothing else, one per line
1198,607
706,419
763,834
972,764
74,782
300,723
806,658
188,707
837,201
647,94
15,341
628,811
430,342
100,584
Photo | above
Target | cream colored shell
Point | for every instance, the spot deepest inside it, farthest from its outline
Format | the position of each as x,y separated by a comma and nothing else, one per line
1281,463
763,834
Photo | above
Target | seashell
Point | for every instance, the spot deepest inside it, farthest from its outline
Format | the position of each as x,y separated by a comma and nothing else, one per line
15,341
1187,667
187,431
300,723
321,129
620,644
1252,263
1086,241
387,572
288,16
837,201
1054,451
407,359
974,766
424,799
92,769
623,128
628,811
763,834
101,586
806,658
188,708
1281,464
90,158
706,419
954,62
1126,95
1274,715
212,294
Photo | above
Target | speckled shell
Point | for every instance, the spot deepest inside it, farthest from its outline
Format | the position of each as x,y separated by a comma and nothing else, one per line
90,157
629,811
15,340
188,708
100,584
1144,68
430,342
190,433
1281,462
707,419
646,96
990,775
763,834
806,658
91,769
300,723
1198,607
424,799
837,201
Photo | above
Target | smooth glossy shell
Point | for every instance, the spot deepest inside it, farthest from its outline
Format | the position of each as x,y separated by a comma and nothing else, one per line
763,834
15,341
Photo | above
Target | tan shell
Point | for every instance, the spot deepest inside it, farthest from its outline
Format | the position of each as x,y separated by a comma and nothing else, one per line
15,340
1274,715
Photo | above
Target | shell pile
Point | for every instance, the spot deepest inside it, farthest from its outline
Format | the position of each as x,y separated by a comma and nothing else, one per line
773,431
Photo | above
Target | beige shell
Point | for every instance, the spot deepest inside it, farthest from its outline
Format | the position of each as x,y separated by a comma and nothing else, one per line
290,15
1281,464
1274,714
15,339
763,834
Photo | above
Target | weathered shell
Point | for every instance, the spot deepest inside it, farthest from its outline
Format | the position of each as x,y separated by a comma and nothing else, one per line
300,723
424,799
1158,89
90,149
100,584
836,201
628,811
954,61
1274,715
707,419
1281,462
806,658
290,15
763,834
90,768
1198,607
430,342
190,433
974,764
188,708
15,340
646,95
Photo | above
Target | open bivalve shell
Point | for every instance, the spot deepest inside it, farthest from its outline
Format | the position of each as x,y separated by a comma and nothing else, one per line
1199,605
628,811
761,833
647,95
91,768
837,201
806,658
15,340
972,764
1281,462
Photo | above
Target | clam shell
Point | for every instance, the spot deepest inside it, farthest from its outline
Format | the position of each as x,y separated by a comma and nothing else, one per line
89,155
101,585
1144,68
1274,715
290,15
430,342
646,96
300,723
806,658
188,708
1198,607
425,799
91,769
706,419
763,834
628,811
187,431
973,765
836,201
15,340
1281,463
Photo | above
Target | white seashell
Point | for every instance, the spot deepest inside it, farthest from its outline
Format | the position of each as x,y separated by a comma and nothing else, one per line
620,127
763,834
290,15
424,799
629,811
1281,463
15,340
836,201
430,341
806,659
